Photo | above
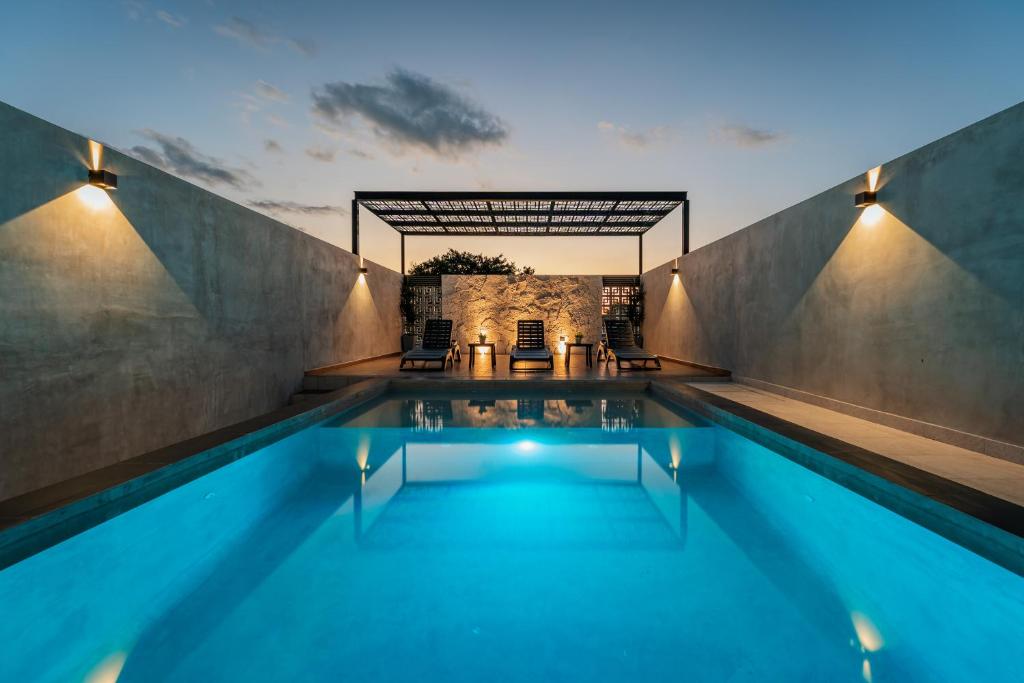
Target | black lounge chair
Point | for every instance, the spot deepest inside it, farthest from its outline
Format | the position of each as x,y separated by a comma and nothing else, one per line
622,347
436,347
530,346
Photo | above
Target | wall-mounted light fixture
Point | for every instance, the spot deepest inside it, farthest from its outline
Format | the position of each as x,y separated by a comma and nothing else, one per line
675,270
103,179
363,270
864,199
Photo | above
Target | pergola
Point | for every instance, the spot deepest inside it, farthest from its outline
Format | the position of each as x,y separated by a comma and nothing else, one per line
522,214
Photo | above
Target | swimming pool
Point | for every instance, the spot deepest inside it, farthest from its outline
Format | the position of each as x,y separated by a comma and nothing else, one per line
601,538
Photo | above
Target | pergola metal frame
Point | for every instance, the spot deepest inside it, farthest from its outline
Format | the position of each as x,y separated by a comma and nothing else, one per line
522,214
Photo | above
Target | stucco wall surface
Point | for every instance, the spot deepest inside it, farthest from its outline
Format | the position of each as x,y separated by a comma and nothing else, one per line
142,317
918,313
566,303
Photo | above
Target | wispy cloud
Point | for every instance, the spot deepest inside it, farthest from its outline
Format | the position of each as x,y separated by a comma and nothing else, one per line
746,136
275,120
304,46
360,154
178,156
283,206
413,110
644,139
172,20
270,92
273,146
249,34
320,154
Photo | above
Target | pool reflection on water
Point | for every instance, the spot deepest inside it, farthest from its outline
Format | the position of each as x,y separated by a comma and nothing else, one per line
405,544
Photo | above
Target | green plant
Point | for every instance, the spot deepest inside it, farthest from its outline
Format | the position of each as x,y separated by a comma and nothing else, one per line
407,305
455,262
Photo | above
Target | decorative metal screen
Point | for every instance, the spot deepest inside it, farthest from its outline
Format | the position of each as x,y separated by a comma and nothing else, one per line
427,299
616,295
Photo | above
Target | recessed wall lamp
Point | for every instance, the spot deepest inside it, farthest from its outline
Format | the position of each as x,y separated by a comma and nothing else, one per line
866,198
103,179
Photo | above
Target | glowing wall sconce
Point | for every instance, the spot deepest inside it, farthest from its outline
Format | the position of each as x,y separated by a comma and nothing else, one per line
363,270
103,179
561,344
675,270
865,199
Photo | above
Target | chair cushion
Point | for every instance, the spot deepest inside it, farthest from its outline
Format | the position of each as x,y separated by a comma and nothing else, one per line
531,354
632,352
426,354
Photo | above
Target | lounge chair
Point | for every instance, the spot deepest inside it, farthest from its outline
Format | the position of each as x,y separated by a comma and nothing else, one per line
530,345
622,347
436,347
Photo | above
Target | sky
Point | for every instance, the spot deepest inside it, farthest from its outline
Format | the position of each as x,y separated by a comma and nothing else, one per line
289,107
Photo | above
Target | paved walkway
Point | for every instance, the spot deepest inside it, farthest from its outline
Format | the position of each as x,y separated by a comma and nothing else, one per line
996,477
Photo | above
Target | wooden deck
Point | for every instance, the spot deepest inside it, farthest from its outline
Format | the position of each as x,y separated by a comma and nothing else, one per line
337,376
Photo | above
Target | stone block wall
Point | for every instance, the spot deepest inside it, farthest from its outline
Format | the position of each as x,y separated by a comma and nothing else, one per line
494,303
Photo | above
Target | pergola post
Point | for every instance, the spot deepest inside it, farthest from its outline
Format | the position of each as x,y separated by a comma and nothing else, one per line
686,226
640,265
355,227
402,239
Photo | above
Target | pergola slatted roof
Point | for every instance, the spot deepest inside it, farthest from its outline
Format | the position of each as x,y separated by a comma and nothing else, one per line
521,213
527,214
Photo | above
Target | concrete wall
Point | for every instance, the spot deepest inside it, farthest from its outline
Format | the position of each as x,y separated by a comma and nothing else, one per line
566,303
920,314
135,320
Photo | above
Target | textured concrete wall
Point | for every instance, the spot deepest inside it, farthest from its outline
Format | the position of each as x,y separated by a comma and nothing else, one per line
135,320
920,314
566,303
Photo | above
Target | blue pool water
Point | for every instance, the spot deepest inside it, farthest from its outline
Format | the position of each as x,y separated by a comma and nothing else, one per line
469,540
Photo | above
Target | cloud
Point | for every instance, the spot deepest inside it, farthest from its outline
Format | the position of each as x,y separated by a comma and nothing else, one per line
325,155
304,46
360,154
413,110
639,140
178,156
245,32
172,20
745,136
249,34
273,206
275,120
270,92
273,146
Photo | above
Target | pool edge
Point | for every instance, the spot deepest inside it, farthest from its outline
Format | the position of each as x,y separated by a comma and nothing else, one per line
35,521
984,524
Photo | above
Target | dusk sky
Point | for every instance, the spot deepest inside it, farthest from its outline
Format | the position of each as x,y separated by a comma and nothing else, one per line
289,107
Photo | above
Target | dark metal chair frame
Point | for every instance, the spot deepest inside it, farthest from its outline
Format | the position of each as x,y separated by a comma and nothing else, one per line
621,346
530,337
437,336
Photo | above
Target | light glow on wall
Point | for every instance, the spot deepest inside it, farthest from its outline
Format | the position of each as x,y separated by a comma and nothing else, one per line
95,155
873,178
871,215
93,197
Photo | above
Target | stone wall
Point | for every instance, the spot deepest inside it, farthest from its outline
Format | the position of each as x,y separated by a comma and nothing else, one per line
915,309
136,319
566,303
